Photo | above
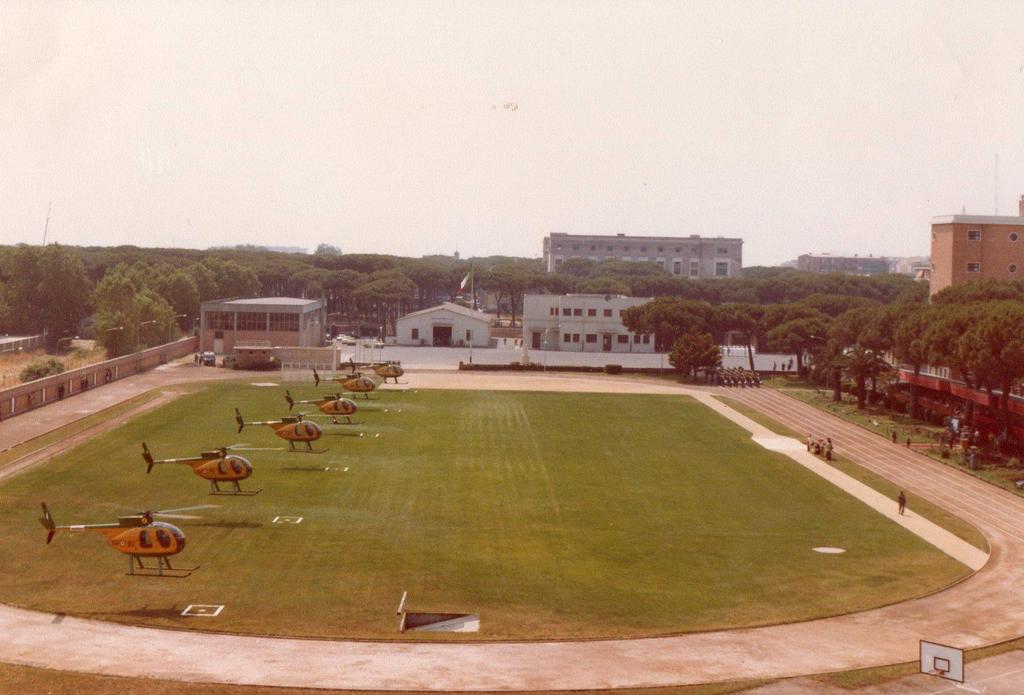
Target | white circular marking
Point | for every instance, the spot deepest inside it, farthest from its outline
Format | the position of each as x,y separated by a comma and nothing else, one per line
827,550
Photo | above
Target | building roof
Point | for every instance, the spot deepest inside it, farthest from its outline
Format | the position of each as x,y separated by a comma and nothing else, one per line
977,219
631,237
265,301
454,308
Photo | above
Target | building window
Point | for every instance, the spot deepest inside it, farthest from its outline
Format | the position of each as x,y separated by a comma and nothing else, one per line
566,337
593,247
647,339
469,335
1014,236
677,249
623,339
661,249
558,261
721,270
252,321
575,337
677,267
694,269
607,312
643,249
591,312
1012,268
973,235
591,337
218,320
722,251
415,334
575,247
608,248
974,267
284,322
577,312
566,311
625,248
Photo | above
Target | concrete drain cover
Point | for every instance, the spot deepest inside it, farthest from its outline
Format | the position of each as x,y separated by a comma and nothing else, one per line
829,550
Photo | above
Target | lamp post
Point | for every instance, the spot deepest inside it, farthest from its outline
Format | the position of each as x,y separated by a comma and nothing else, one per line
68,338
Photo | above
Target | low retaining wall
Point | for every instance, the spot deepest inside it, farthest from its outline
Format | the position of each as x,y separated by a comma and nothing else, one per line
516,367
35,394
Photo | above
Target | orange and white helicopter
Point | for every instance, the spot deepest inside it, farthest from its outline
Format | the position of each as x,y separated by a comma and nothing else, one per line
291,429
385,370
333,405
353,383
217,466
138,536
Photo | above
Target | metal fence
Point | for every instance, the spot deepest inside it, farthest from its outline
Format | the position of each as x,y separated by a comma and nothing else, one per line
26,344
298,372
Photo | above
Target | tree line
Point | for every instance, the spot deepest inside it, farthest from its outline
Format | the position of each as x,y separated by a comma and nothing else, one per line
151,293
975,329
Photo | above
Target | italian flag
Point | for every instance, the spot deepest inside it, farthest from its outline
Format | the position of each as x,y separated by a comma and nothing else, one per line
466,280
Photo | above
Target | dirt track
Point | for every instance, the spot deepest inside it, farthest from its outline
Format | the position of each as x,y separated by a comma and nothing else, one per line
984,609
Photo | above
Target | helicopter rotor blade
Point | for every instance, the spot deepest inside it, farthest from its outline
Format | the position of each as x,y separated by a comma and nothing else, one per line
165,512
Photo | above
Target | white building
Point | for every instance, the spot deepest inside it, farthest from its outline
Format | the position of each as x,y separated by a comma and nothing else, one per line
581,323
690,256
443,326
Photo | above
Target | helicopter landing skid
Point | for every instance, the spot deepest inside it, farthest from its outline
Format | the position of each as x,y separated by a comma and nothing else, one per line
235,491
163,569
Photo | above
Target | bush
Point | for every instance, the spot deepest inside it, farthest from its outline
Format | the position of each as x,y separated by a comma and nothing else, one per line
1013,462
613,369
41,369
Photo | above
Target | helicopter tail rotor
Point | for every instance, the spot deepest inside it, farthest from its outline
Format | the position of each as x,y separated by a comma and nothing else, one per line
291,401
147,457
47,521
239,420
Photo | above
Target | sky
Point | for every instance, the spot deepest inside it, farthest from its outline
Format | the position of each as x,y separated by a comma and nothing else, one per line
416,128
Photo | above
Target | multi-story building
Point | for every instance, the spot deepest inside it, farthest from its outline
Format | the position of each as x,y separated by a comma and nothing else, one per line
971,247
581,323
854,265
265,321
693,256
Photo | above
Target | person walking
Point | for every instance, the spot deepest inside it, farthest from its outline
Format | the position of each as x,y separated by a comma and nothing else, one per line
894,436
902,502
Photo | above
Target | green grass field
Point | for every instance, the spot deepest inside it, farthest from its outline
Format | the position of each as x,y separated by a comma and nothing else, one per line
550,515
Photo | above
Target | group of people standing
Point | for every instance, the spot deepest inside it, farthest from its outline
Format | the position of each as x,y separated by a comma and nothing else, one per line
820,447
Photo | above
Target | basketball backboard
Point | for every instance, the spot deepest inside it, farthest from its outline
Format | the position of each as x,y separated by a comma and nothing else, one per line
942,660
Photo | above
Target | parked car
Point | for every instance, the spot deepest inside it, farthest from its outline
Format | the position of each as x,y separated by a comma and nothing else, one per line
209,359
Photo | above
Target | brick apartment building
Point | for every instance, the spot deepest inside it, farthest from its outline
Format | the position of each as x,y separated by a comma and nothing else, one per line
971,247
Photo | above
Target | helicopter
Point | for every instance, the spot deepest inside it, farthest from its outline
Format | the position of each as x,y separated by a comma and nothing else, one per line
353,383
386,370
333,405
217,466
293,429
138,536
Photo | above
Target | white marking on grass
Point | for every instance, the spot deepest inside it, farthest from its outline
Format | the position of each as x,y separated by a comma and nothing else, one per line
828,550
263,383
287,520
203,610
346,470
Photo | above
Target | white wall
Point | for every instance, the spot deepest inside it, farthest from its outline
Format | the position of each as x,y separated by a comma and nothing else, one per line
537,317
424,323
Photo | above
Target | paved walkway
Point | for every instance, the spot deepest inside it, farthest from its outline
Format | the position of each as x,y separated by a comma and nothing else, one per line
986,608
